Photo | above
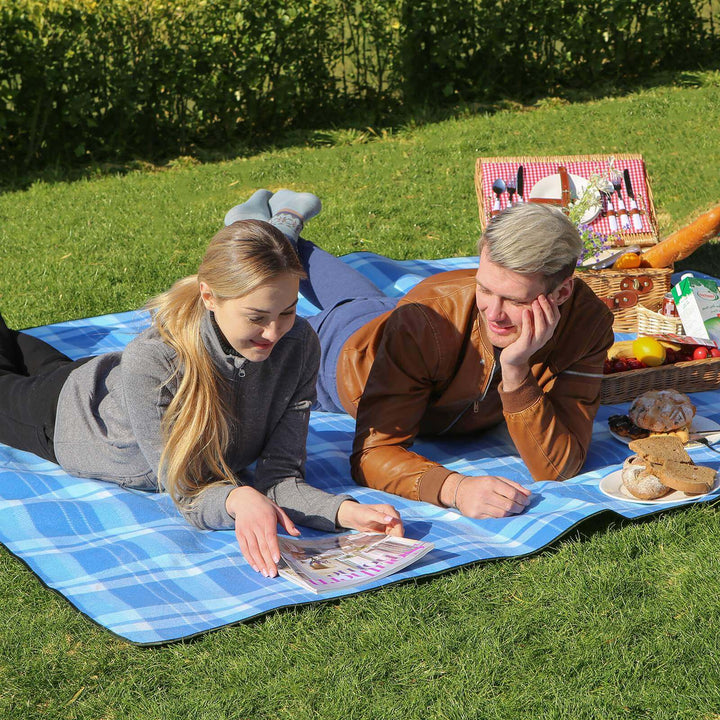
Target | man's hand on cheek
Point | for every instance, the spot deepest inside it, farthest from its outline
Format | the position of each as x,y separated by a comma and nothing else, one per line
538,325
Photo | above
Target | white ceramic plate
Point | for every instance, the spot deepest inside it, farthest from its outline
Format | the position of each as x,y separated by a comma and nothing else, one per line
612,486
699,424
550,187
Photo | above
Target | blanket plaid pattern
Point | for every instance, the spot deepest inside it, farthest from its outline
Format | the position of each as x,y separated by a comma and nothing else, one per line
129,562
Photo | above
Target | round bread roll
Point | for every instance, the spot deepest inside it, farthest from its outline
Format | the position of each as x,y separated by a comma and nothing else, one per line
662,411
640,483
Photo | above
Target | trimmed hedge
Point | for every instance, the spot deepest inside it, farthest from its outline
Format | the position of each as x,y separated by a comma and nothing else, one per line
114,79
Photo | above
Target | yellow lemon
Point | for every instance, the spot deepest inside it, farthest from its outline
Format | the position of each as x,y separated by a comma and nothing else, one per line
649,351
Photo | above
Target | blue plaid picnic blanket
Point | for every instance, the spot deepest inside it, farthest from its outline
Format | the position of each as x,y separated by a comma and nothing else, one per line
130,562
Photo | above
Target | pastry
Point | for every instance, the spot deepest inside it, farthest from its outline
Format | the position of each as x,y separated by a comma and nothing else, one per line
661,411
623,426
640,481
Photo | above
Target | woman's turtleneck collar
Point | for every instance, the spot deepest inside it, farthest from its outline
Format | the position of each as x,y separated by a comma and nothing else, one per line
227,348
228,360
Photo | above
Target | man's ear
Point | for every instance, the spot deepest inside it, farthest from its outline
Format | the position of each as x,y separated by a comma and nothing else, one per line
206,294
564,290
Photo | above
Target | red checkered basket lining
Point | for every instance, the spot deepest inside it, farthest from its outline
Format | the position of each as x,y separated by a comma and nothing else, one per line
535,168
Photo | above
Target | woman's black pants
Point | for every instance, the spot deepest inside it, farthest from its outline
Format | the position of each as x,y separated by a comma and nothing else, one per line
32,374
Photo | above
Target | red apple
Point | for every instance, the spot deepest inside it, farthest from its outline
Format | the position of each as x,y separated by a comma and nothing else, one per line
700,353
715,352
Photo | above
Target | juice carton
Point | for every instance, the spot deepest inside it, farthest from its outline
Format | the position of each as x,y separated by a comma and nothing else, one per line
698,305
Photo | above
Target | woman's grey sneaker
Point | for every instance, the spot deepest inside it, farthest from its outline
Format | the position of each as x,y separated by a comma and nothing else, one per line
291,210
256,208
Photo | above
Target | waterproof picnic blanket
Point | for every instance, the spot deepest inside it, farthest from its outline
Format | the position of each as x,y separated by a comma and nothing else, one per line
129,561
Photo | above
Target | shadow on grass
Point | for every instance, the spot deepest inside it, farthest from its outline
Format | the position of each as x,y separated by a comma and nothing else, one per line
705,259
362,126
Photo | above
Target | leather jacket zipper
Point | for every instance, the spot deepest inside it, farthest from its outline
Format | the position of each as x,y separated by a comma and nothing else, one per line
476,402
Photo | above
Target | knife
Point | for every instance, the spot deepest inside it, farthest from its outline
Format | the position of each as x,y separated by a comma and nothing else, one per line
606,262
695,434
519,187
634,212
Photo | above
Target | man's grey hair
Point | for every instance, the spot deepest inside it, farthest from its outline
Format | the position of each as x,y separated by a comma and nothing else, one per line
533,238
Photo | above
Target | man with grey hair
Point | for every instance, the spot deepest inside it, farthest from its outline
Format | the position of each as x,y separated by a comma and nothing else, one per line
520,339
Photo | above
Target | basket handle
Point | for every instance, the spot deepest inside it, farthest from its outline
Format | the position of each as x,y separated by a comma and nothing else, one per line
564,200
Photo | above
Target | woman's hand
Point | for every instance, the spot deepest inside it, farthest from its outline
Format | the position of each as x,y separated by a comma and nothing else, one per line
370,518
256,520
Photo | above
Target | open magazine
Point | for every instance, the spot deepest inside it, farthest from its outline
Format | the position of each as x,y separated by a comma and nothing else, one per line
342,561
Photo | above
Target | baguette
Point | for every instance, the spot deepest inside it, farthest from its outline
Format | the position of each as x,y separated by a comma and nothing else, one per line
683,242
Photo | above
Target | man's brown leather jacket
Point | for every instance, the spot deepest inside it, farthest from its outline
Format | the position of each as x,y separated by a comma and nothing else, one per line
428,368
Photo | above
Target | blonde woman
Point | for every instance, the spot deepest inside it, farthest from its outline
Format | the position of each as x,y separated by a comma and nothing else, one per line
224,378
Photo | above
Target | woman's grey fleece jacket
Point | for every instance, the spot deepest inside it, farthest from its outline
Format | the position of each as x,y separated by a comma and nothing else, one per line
110,410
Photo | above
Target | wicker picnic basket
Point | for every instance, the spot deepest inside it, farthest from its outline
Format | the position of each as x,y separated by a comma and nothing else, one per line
624,291
485,166
687,377
621,290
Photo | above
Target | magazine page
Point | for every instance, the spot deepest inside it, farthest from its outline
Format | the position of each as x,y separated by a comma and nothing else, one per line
340,561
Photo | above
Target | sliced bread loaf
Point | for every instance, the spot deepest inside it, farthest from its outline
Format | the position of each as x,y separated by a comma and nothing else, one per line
693,479
659,448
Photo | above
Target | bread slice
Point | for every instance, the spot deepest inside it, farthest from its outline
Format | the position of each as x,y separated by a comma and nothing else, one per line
659,448
693,479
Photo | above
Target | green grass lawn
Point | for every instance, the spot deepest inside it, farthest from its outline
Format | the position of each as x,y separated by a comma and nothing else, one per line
621,622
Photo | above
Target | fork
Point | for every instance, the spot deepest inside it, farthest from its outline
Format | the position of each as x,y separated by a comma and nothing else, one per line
607,192
616,180
704,441
510,187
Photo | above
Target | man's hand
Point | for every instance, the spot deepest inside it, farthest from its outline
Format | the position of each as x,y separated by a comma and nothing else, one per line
256,520
485,496
538,325
370,518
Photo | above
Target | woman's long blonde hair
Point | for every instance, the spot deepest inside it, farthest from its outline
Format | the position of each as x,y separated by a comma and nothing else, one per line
196,432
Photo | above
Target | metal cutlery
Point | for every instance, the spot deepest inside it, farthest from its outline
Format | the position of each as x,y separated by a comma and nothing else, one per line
607,192
606,262
510,185
520,183
697,434
616,180
634,212
705,442
498,187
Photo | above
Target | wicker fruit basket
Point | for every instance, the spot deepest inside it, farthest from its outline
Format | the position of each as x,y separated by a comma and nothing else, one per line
623,291
687,377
